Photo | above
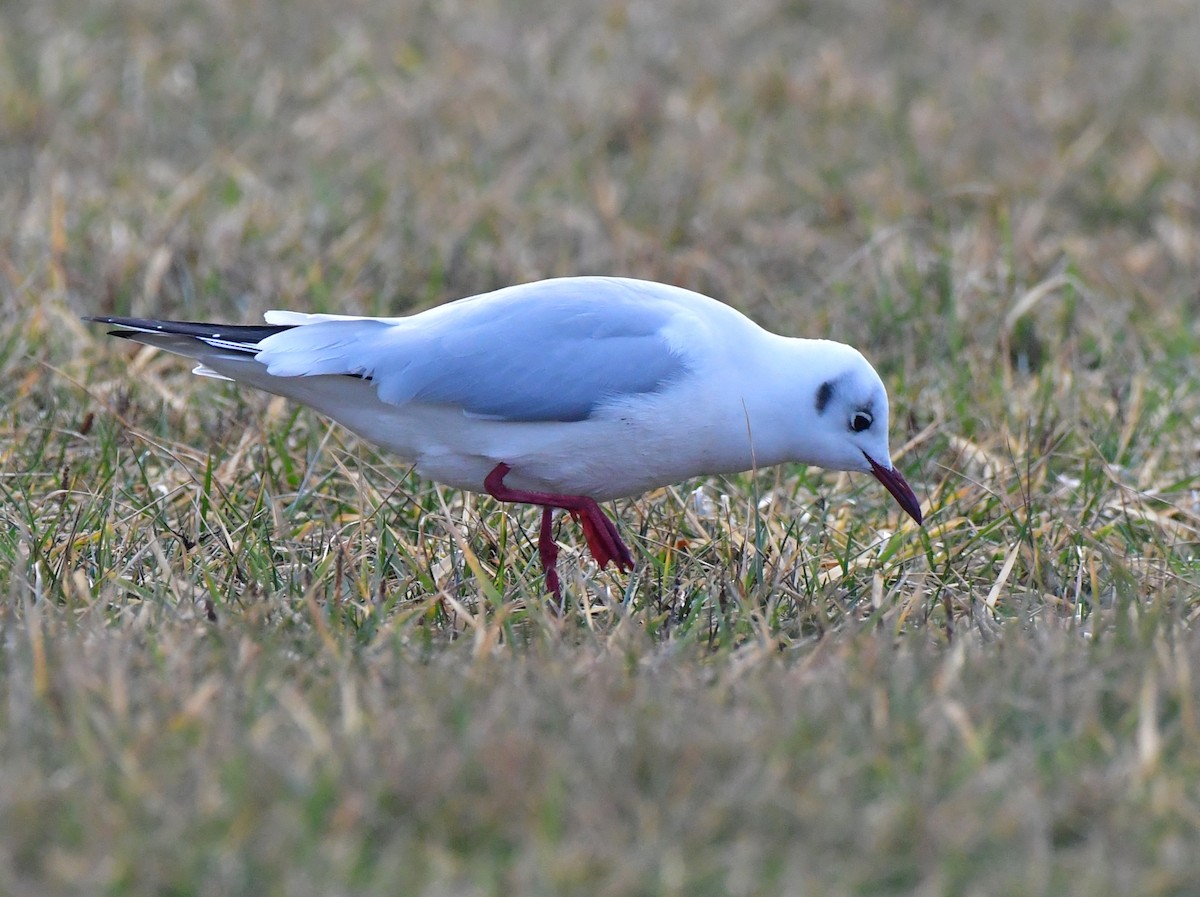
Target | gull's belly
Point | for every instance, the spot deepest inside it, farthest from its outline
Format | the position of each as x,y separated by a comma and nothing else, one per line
622,450
607,457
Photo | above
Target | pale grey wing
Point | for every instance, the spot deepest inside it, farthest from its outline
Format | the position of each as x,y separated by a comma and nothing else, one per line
551,351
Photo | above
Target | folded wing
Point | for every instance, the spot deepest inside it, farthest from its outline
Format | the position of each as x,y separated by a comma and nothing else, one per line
550,351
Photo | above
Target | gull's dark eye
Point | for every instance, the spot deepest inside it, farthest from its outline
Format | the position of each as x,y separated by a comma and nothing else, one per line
862,420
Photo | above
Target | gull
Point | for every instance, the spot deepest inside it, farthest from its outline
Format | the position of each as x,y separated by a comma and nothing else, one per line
564,393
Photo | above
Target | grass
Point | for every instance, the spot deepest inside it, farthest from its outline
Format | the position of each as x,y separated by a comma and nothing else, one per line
245,653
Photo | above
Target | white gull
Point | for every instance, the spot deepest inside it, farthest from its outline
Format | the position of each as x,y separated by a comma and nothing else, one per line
564,393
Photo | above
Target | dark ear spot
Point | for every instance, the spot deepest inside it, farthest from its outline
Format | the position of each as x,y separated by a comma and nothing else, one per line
824,394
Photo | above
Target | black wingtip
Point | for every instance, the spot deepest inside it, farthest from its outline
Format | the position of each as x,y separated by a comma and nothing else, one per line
131,328
112,322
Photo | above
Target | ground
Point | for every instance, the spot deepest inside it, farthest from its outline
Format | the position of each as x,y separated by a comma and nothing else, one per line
245,653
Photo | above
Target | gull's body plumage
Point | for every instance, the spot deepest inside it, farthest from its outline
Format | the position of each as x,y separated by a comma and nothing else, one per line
591,387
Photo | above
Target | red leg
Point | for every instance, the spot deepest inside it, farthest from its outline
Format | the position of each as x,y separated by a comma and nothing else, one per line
603,538
548,552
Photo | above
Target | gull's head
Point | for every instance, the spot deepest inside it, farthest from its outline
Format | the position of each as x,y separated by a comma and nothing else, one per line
850,431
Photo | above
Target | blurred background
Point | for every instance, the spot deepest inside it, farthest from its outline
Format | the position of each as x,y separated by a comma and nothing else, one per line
830,167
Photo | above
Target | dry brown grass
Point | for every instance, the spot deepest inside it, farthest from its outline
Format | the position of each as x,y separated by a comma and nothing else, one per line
245,653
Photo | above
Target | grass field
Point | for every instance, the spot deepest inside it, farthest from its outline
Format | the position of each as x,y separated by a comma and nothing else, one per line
244,653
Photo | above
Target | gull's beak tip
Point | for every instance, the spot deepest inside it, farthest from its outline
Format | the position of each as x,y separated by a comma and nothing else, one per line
895,483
